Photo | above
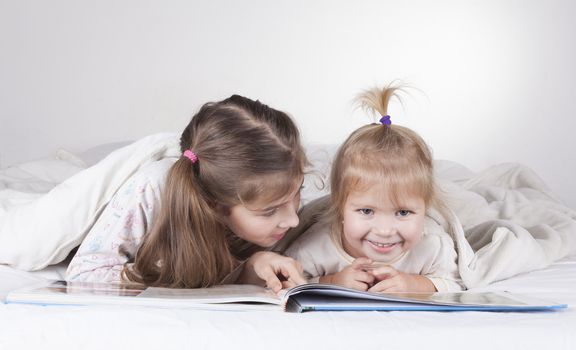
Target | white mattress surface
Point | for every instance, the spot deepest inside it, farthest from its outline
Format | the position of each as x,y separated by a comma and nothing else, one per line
97,327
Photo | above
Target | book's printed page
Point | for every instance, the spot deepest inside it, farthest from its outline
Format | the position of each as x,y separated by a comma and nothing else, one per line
304,302
465,298
86,288
334,294
233,293
225,297
460,299
76,293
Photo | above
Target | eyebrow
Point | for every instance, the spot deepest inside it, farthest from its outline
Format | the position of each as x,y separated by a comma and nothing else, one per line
280,204
362,205
401,206
271,208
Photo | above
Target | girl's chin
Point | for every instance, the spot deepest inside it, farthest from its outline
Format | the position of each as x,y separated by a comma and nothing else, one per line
268,244
271,241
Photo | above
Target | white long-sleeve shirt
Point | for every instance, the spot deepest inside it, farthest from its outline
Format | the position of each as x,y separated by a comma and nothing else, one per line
433,256
118,232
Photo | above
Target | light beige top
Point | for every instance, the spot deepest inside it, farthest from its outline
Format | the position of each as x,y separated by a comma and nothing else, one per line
433,256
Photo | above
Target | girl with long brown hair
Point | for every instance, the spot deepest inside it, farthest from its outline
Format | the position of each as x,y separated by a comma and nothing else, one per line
191,222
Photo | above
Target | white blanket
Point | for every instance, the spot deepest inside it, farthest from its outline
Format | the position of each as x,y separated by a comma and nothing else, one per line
39,229
505,223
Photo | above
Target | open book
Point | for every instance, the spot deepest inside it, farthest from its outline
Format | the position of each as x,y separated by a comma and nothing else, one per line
308,297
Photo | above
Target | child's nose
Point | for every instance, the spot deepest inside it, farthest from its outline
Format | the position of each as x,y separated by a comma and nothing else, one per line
290,218
385,226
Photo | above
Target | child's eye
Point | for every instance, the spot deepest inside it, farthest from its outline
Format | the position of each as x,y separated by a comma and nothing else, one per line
365,211
404,212
270,212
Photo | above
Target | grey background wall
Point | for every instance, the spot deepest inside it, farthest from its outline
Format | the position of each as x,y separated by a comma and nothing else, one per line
495,80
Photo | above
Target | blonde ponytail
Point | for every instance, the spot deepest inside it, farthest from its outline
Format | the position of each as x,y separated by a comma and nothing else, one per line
377,100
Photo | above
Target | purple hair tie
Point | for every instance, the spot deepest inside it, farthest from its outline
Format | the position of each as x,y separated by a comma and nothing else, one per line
385,120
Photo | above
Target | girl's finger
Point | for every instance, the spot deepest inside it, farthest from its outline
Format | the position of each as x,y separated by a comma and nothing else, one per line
365,277
361,263
382,286
360,286
384,272
269,277
292,274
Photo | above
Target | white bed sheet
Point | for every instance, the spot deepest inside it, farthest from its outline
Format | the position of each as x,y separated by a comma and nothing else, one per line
97,327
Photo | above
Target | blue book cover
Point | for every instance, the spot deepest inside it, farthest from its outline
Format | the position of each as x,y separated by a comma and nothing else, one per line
322,297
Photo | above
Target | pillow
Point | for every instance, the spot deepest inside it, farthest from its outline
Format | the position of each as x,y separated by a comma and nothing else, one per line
95,154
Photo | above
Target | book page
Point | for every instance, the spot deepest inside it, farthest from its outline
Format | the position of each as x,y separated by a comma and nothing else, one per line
225,297
457,299
218,294
88,288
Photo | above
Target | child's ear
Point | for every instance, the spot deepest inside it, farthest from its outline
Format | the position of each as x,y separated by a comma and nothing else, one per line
222,209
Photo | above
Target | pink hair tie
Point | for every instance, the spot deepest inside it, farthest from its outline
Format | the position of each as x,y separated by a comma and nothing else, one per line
190,155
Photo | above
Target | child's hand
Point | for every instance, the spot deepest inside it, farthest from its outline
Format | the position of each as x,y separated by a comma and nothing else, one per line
391,280
274,270
353,276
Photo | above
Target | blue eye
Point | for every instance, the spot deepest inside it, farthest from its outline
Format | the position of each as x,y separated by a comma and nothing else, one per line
404,212
365,211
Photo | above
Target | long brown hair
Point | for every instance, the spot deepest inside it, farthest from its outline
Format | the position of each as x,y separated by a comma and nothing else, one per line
390,155
246,151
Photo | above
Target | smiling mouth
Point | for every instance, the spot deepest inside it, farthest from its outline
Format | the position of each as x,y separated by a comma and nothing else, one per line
382,245
384,248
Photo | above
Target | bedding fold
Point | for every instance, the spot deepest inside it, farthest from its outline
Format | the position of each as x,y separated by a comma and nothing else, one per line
40,229
504,222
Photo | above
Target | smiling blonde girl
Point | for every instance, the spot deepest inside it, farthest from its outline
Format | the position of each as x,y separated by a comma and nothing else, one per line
383,229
